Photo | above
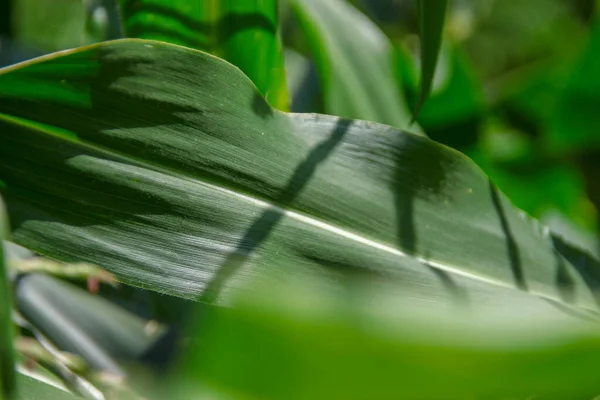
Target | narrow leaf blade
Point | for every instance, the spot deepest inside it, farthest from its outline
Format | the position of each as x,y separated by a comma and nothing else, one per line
431,25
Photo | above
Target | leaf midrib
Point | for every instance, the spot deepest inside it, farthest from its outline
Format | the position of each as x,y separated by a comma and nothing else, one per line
308,219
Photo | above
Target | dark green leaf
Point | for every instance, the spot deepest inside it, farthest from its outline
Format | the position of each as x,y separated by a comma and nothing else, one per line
431,26
113,155
243,32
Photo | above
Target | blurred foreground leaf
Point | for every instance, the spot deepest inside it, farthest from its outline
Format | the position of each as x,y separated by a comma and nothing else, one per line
315,345
245,33
113,154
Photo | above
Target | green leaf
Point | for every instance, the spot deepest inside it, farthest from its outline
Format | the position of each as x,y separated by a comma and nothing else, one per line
354,60
7,360
431,26
245,33
456,104
317,345
113,155
37,387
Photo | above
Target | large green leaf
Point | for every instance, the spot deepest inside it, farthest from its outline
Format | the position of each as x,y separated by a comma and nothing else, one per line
354,60
315,345
7,361
244,32
431,26
113,155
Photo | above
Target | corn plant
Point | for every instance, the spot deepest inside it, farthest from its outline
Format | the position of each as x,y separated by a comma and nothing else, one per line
354,253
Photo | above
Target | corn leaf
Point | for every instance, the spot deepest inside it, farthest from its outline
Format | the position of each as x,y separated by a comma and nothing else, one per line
431,25
121,154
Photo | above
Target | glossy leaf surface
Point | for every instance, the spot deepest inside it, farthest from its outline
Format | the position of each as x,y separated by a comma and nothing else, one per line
111,153
244,32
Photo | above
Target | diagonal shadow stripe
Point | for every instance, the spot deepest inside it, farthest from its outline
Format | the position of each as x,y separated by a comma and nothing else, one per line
261,229
511,245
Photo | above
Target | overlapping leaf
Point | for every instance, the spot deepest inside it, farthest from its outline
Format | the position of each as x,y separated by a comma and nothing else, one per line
243,32
114,155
